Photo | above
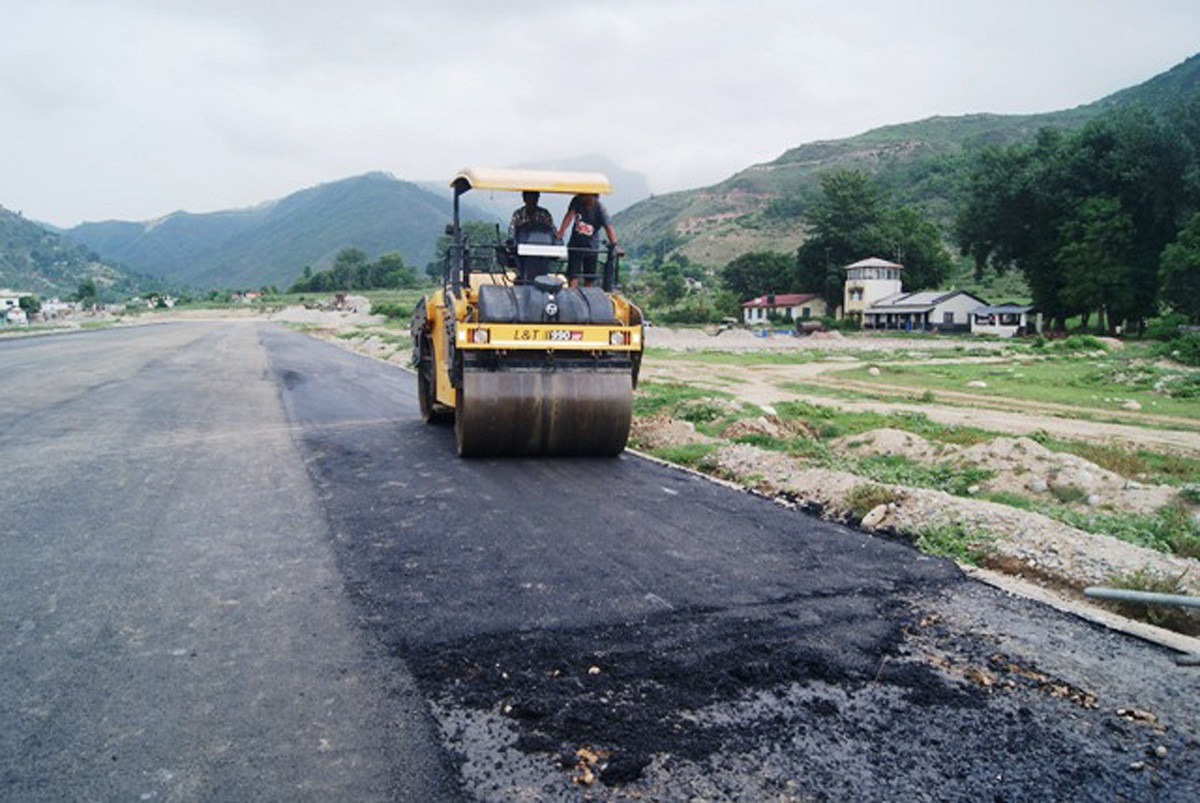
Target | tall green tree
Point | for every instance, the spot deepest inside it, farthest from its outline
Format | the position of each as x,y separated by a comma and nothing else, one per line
853,220
1094,255
758,272
1179,271
348,266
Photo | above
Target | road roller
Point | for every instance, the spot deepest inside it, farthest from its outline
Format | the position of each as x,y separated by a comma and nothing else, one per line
521,359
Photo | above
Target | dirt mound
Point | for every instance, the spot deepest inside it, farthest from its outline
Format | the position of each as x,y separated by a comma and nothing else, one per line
1023,466
657,431
771,426
888,441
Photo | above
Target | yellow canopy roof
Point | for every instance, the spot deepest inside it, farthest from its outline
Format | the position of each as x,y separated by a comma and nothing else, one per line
497,178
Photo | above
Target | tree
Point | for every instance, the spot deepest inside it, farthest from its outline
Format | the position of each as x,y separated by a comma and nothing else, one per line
903,234
1179,271
852,220
30,304
758,272
348,266
87,293
841,219
1093,256
391,272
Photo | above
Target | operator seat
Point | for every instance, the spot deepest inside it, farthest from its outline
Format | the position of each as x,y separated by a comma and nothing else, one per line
529,267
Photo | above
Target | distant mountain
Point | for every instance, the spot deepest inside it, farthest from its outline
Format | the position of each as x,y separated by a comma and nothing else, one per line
272,243
761,207
35,259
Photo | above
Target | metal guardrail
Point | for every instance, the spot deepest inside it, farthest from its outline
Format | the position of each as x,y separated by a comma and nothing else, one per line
1148,598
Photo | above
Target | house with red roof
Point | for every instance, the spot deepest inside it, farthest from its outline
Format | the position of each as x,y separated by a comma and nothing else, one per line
794,306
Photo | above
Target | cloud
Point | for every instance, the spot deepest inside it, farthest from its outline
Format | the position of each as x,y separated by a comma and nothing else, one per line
137,107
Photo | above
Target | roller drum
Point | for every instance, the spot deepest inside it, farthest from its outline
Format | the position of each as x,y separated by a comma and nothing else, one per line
565,412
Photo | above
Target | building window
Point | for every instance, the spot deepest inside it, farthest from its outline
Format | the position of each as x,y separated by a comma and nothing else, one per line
947,317
806,312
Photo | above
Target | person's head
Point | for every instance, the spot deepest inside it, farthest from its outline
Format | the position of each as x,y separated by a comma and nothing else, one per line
531,197
589,199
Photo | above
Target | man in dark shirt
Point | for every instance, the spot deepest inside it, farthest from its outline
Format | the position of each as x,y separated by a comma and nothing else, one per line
587,216
530,216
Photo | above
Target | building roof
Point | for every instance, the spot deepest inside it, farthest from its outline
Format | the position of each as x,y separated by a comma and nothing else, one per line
781,300
1002,309
922,301
873,262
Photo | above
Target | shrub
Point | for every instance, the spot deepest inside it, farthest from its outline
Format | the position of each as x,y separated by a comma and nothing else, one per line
391,311
1166,327
1183,349
864,498
953,539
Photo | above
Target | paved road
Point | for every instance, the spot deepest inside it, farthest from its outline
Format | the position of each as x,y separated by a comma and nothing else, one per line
237,566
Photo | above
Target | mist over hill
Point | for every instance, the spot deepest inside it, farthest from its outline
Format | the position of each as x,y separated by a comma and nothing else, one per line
272,243
918,163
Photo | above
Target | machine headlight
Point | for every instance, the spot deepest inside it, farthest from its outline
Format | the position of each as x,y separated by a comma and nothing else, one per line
617,339
480,336
551,309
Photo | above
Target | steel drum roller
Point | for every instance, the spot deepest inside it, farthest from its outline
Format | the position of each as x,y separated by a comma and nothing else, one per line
564,412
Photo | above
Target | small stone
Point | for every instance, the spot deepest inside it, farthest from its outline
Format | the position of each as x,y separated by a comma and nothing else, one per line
1038,485
972,490
873,371
1137,766
1093,500
977,383
1161,751
595,670
1131,405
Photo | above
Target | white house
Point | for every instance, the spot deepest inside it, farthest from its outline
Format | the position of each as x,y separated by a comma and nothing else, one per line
867,281
1003,320
928,310
796,306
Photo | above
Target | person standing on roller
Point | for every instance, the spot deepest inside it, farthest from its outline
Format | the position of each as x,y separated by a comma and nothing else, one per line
587,216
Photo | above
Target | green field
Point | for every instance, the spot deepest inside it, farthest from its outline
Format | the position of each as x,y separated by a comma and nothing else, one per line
1101,383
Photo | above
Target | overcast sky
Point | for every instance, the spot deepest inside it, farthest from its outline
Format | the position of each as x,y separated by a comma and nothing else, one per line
131,109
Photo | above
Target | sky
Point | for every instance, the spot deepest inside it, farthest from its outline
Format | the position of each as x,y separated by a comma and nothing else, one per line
131,109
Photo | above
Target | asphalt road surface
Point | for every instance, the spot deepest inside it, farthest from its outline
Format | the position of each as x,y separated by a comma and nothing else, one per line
236,566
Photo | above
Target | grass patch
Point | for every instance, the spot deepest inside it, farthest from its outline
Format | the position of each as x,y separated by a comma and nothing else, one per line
1093,381
952,539
864,498
899,470
1171,530
699,456
656,397
831,423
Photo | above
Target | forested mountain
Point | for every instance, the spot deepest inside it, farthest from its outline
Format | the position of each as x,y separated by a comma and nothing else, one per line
36,260
272,243
923,164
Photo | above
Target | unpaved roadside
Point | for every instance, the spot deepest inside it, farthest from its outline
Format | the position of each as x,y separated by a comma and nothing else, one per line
762,385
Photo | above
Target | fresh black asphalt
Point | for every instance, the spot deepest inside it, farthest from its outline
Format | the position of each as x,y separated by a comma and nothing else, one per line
238,566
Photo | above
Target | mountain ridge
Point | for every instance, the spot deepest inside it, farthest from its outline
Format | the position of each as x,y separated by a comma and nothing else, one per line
760,207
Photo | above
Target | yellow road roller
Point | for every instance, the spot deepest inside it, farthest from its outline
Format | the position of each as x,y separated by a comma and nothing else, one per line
523,361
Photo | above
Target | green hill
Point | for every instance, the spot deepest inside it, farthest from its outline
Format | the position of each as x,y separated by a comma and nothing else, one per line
920,163
37,260
270,244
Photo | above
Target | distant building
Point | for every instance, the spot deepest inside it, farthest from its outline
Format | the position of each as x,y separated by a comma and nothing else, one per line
925,311
1003,320
796,306
867,281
